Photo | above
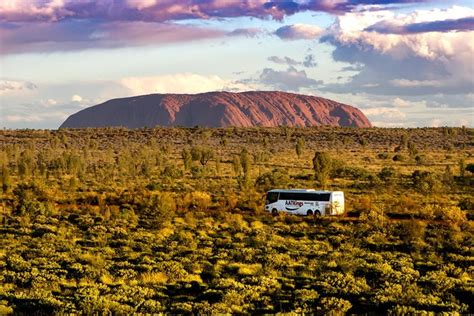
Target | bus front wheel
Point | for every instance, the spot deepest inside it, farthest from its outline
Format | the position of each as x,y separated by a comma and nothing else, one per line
309,212
317,213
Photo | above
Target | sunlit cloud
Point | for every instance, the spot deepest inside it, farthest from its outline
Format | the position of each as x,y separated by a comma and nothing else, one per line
180,83
299,32
416,63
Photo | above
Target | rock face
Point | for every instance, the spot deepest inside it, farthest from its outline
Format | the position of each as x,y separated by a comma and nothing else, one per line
218,109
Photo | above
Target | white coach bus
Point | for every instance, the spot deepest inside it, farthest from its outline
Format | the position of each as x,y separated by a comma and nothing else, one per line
305,202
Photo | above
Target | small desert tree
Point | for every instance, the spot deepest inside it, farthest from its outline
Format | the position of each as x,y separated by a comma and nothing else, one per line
207,154
5,175
187,159
202,154
323,166
300,146
245,161
236,165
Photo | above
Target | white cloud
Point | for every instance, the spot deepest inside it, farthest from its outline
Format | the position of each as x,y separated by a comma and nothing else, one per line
416,83
299,32
405,64
34,118
370,85
351,28
388,124
180,83
48,103
385,113
12,86
22,118
76,98
401,103
435,123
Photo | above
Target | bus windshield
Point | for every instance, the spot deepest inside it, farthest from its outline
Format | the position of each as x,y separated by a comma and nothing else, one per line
272,197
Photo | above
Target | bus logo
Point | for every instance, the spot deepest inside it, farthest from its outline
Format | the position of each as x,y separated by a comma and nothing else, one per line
293,205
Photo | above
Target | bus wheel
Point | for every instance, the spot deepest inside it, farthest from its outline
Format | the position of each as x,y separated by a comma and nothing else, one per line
317,213
309,212
274,211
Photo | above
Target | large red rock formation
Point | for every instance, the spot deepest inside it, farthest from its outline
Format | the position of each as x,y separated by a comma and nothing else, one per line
219,109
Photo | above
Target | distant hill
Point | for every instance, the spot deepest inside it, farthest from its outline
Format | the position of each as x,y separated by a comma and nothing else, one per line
219,109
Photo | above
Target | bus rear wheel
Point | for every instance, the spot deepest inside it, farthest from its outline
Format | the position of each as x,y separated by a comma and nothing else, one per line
317,213
309,213
274,212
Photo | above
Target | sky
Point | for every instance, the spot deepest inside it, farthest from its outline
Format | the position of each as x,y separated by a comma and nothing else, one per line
407,63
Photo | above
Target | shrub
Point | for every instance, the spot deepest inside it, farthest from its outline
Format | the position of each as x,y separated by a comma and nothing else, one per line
411,232
153,278
160,207
333,305
466,204
277,178
198,200
386,174
425,181
202,154
398,157
363,203
374,216
451,214
172,172
352,173
420,159
470,168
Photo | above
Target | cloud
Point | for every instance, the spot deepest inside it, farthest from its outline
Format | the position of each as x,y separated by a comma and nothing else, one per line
76,35
9,86
22,118
384,27
401,103
308,61
171,10
405,83
455,101
49,103
299,32
410,111
408,64
180,83
35,118
64,25
384,113
283,60
76,98
247,32
133,10
288,80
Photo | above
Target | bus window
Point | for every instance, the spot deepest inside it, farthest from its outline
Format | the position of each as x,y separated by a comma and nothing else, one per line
319,197
272,197
325,197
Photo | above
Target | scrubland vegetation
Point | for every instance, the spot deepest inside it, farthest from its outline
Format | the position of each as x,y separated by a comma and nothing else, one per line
171,220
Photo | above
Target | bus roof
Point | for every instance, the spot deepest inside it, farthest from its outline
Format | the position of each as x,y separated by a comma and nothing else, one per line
301,191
